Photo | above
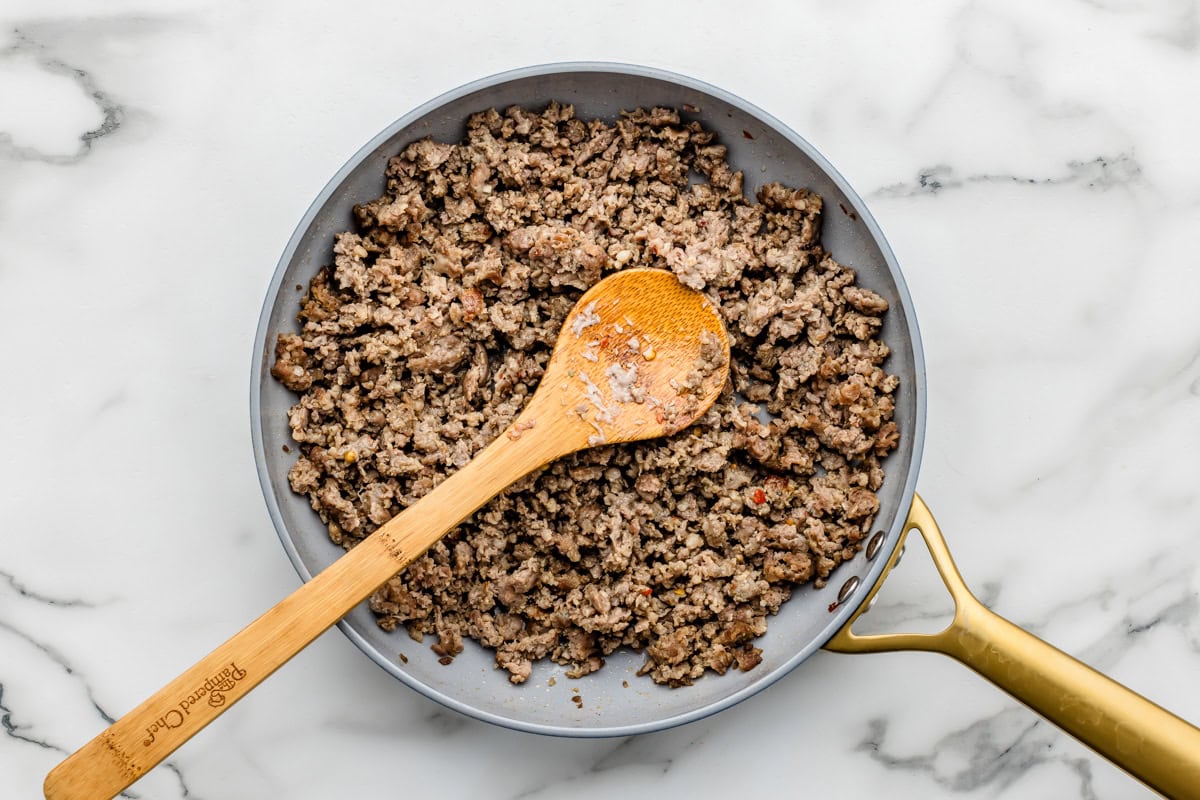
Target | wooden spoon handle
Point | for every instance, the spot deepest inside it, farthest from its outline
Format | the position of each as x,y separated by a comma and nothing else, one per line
138,741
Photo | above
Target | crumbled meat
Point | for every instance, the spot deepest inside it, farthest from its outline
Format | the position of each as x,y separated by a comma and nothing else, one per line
424,338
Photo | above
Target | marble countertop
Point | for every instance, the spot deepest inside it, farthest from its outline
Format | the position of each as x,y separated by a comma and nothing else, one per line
1034,166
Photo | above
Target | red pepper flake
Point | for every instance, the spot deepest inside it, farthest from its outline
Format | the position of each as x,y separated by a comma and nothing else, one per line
832,606
604,342
759,496
658,415
647,592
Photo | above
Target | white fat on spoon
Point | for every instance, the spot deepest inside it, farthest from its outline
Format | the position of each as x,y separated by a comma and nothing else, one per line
639,356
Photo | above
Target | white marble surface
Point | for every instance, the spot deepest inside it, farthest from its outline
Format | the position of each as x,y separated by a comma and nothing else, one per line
1034,166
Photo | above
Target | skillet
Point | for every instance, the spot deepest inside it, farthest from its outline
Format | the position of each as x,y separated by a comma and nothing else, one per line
1149,742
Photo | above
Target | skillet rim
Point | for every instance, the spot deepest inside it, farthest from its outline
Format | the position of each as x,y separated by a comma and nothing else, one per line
838,618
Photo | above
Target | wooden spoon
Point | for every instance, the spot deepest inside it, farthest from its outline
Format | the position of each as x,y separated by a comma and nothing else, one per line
639,356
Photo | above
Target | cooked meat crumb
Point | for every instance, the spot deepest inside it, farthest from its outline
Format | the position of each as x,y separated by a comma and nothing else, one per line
423,339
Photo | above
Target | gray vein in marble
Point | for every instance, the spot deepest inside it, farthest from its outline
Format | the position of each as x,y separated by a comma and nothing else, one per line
114,400
1001,748
1182,613
1184,30
59,660
1099,173
184,791
14,729
1013,74
19,731
1179,608
994,751
445,722
113,112
901,613
625,753
1108,420
1181,29
1005,62
61,602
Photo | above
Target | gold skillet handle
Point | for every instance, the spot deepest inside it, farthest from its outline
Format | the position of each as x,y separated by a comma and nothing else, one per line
1147,741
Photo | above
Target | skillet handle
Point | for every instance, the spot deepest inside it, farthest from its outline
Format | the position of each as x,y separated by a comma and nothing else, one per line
1147,741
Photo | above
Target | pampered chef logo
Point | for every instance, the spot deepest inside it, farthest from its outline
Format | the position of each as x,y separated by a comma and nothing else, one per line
212,691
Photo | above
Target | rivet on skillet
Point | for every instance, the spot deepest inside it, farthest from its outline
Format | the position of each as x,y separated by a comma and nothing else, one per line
870,603
847,589
899,555
874,545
